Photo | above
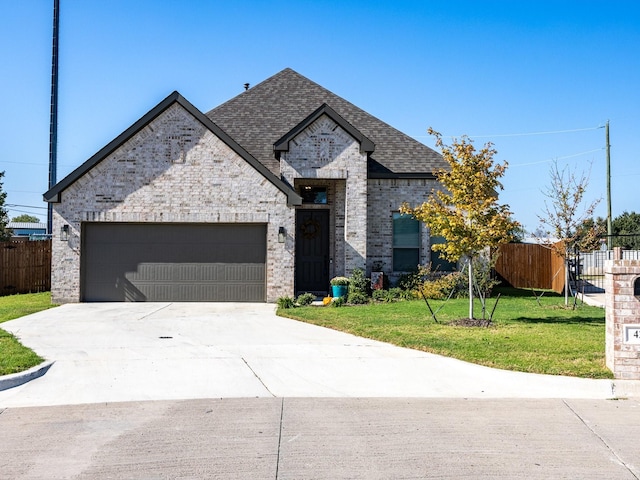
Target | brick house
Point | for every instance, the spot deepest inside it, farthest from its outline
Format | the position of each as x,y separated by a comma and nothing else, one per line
269,194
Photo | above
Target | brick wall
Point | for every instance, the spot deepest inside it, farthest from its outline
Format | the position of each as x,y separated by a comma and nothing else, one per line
324,151
622,308
174,170
384,198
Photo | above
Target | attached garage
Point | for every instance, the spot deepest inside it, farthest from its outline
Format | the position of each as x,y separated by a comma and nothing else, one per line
177,262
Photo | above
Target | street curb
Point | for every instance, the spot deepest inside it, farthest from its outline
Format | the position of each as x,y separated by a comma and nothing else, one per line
17,379
625,388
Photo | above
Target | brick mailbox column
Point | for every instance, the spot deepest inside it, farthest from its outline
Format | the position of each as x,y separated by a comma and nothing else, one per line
622,286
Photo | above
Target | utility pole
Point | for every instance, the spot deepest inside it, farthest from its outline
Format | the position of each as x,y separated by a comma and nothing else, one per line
609,227
53,124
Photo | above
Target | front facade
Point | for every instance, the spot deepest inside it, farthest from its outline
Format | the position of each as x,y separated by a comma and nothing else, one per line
270,194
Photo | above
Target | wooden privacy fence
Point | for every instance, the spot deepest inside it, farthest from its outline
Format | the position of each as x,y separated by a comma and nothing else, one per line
25,267
529,265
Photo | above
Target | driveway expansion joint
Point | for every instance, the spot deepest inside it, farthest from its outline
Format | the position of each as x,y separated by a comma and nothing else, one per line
602,440
279,437
257,376
155,311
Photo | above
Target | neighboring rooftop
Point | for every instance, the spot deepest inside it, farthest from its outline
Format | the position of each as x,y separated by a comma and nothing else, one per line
262,115
27,225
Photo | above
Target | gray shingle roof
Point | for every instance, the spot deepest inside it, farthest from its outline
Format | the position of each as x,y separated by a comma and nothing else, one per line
260,116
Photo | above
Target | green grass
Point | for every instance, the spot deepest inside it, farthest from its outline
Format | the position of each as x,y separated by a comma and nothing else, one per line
524,336
15,357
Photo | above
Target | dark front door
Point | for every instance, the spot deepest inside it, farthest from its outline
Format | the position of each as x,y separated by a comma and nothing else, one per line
312,251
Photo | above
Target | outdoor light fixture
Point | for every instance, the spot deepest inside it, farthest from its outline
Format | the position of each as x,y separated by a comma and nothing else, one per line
282,233
64,233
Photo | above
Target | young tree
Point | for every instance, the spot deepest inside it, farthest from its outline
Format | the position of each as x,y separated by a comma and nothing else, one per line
5,233
566,217
26,218
467,213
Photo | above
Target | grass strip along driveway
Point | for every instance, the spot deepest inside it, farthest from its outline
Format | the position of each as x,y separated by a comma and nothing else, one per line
15,357
526,335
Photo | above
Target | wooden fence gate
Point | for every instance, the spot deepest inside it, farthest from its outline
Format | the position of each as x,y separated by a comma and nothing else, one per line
529,265
25,267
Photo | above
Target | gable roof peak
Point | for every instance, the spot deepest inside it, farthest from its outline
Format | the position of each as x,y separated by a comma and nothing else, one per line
53,195
366,145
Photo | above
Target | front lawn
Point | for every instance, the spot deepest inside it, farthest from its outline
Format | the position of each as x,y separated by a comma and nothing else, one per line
524,336
15,357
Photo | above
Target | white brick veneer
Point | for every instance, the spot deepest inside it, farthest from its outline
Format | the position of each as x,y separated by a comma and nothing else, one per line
325,151
385,196
177,171
174,170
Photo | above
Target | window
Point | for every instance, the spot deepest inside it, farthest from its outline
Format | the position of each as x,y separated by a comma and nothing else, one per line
406,243
317,195
438,263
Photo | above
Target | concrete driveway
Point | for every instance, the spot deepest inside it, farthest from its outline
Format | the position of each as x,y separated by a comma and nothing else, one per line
115,352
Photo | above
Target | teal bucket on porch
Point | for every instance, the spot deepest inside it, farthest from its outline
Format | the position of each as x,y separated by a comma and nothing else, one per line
339,291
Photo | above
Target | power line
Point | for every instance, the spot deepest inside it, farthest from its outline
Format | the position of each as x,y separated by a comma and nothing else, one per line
22,211
24,206
536,133
556,158
550,132
21,191
34,163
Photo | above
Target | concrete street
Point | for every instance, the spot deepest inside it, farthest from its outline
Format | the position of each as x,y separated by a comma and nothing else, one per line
324,438
141,391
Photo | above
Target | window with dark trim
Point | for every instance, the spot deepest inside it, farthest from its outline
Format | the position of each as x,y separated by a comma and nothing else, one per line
406,243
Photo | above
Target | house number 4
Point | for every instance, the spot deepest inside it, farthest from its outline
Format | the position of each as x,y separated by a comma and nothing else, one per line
632,334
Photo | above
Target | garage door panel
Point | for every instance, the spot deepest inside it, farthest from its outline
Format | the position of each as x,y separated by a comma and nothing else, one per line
174,262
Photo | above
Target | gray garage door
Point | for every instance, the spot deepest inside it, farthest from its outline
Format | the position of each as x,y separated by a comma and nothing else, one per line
173,262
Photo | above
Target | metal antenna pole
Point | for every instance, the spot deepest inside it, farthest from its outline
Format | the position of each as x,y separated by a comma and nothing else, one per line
53,125
609,227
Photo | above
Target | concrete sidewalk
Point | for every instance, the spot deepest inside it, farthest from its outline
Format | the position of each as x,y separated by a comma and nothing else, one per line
338,438
162,351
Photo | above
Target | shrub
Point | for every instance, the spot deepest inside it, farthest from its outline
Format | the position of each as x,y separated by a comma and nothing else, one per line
400,294
392,295
305,299
358,283
338,302
381,295
410,281
286,302
440,288
357,298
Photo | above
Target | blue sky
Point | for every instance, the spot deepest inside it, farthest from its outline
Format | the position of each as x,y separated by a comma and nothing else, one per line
499,71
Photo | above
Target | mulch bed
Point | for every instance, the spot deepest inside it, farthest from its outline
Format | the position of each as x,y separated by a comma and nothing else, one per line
471,322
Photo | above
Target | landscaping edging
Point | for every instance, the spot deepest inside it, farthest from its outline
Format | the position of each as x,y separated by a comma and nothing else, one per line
20,378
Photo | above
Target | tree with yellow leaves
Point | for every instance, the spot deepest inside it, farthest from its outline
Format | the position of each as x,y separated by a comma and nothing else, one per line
466,213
